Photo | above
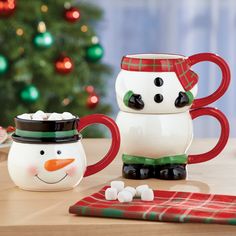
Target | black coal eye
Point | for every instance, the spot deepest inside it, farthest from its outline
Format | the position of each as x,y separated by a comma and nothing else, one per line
42,152
58,152
158,98
158,82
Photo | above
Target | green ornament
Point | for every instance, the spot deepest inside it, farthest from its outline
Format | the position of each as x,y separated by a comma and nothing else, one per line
29,94
94,53
3,64
43,40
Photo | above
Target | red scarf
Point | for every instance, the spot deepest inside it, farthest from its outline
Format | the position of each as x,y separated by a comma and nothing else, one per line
180,66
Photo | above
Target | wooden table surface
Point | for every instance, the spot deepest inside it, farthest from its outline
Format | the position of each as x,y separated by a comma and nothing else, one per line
46,213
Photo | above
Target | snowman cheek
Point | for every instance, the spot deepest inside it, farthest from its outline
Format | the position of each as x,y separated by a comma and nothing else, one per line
32,170
72,171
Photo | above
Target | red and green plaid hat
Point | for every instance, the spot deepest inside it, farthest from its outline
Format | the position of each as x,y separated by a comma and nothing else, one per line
180,66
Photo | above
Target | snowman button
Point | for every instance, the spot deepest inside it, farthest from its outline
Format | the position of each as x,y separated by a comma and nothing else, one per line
158,98
158,82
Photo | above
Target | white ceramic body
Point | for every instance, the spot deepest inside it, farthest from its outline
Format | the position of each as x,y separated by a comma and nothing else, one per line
155,135
27,166
159,129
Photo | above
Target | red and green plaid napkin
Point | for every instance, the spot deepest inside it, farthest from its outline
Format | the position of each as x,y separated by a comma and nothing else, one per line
168,206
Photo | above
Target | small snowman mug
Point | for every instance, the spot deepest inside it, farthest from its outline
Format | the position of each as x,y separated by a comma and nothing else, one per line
48,155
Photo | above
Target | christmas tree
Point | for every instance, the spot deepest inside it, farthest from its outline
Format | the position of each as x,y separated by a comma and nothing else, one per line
50,59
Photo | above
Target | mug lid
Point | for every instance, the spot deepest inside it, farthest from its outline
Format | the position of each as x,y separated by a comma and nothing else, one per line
46,131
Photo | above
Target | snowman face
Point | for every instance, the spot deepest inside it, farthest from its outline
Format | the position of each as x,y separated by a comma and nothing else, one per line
48,167
159,91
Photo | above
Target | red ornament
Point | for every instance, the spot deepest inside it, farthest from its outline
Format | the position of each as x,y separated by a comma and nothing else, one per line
92,100
72,14
10,129
7,7
64,65
89,89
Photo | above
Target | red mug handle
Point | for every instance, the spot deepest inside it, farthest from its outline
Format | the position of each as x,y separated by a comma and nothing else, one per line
224,135
115,144
201,102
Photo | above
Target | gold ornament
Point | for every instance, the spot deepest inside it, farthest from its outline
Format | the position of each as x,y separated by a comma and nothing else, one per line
84,28
66,102
19,32
44,8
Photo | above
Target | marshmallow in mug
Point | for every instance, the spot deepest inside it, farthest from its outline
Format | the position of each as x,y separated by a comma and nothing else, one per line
25,116
55,116
40,115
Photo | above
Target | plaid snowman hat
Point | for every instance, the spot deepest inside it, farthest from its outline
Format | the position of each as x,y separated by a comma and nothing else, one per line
180,66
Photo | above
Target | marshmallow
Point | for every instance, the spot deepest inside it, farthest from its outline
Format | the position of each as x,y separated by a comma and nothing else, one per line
125,196
55,116
111,194
25,116
147,195
130,189
37,117
118,185
140,188
67,116
40,113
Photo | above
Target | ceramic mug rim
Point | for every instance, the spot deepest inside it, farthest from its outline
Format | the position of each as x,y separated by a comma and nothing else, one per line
159,56
46,121
46,131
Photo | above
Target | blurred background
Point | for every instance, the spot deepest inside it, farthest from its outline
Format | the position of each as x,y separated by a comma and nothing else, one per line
65,55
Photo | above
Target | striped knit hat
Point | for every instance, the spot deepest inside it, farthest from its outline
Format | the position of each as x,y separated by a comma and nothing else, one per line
179,65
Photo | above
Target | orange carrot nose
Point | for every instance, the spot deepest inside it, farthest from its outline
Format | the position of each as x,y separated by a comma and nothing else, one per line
56,164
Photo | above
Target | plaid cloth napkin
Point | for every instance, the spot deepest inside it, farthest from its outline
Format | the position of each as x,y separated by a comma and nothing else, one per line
168,206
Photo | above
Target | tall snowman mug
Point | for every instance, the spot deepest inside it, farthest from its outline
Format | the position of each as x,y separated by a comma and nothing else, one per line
47,155
156,96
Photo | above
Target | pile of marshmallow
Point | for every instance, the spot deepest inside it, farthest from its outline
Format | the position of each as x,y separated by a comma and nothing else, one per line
40,115
118,191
